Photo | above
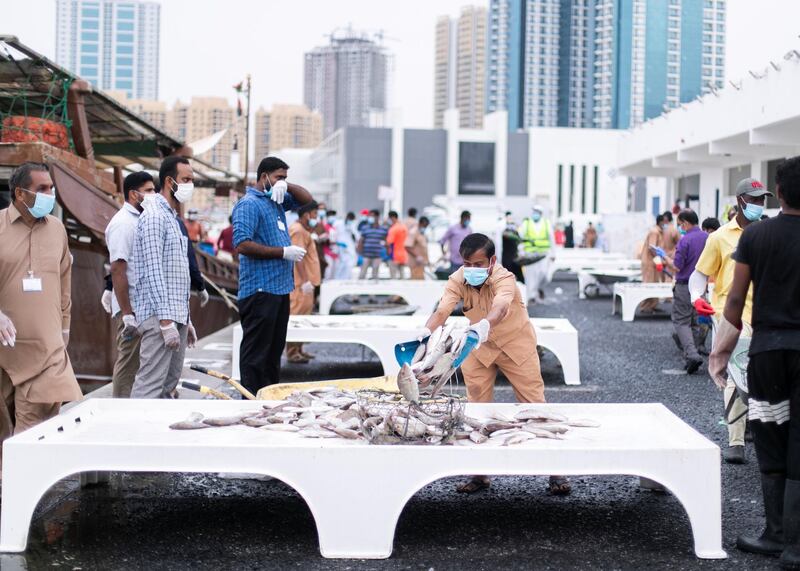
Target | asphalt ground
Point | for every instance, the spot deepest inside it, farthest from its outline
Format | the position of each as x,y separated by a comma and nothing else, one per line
200,521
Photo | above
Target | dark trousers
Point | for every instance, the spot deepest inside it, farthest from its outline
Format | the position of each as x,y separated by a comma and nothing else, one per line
773,383
265,318
684,320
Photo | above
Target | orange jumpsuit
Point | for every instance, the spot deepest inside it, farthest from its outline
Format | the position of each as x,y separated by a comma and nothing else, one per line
302,303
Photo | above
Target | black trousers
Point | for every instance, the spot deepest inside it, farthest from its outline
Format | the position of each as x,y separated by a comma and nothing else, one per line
773,383
264,317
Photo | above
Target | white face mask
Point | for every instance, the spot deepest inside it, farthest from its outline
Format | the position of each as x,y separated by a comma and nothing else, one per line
184,192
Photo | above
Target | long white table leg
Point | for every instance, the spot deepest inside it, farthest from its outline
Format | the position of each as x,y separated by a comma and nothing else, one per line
629,307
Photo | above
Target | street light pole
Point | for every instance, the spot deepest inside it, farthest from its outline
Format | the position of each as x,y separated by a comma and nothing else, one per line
247,134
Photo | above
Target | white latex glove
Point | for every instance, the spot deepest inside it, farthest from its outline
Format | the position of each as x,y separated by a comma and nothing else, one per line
65,336
130,327
172,338
293,253
191,336
725,339
8,333
278,191
482,329
307,288
203,295
422,334
105,300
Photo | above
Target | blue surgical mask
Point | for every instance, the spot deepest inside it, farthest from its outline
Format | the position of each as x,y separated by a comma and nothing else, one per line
753,212
371,219
43,205
466,223
681,231
476,276
536,216
321,213
312,222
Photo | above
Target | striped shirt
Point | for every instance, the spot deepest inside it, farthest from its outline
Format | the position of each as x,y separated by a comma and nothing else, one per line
161,264
374,241
257,218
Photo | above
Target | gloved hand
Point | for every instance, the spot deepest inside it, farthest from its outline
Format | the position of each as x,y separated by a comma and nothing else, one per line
172,338
278,191
293,253
105,300
130,328
307,288
703,307
725,340
422,334
191,336
65,336
203,295
8,333
482,329
659,251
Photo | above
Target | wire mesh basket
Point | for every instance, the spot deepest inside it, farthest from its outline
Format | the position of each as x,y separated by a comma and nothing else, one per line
387,418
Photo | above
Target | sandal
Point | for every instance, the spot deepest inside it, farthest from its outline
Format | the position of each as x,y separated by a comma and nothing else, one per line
297,360
559,486
475,484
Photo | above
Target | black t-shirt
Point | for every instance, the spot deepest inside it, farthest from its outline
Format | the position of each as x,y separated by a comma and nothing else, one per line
772,250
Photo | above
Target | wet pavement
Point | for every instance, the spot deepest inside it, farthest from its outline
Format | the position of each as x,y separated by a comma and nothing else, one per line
200,521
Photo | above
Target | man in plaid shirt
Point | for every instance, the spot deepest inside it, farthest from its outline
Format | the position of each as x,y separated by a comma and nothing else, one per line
266,260
161,298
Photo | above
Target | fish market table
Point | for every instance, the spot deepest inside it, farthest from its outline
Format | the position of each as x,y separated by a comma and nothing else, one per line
577,265
591,280
382,333
341,480
423,294
633,293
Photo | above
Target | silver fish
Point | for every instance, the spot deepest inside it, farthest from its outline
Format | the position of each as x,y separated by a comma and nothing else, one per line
408,384
518,438
541,433
418,354
347,433
226,420
495,426
583,423
193,422
408,427
304,422
539,415
433,439
477,437
256,421
281,427
316,433
552,427
473,423
503,433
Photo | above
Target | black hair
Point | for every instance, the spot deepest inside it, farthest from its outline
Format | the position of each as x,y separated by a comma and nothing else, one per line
688,215
424,219
307,207
393,214
667,216
475,242
270,164
330,213
787,179
350,216
659,219
21,177
465,214
169,168
230,219
412,212
135,181
374,212
710,224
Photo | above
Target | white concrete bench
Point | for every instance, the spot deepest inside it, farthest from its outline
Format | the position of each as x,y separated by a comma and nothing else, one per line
589,278
342,480
424,294
634,293
578,265
382,333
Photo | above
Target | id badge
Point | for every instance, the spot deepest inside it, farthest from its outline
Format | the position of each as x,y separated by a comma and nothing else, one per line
281,226
31,283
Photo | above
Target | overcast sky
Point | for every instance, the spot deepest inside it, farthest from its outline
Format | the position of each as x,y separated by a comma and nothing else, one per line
207,46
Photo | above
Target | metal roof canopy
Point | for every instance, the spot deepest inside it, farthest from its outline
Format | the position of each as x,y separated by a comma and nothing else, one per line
119,137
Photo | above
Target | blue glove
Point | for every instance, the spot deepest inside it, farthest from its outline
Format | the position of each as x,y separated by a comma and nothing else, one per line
659,251
472,340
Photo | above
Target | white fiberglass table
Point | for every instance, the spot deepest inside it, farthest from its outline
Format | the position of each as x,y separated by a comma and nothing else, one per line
576,265
633,293
341,480
424,294
589,280
382,333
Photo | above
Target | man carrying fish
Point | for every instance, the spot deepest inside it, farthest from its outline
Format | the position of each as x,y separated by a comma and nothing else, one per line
507,341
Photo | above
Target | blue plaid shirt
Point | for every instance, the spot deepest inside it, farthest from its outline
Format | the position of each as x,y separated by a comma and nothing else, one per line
256,218
162,267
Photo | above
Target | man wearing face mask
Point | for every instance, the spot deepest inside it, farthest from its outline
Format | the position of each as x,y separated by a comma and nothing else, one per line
266,263
451,241
507,342
717,262
35,302
161,296
120,235
306,274
536,233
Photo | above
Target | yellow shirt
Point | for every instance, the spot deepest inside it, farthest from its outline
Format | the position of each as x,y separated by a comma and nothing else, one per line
717,262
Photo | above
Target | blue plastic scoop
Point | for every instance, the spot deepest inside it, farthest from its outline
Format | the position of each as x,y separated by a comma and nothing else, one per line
404,352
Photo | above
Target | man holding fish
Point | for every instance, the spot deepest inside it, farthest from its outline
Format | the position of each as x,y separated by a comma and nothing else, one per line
506,339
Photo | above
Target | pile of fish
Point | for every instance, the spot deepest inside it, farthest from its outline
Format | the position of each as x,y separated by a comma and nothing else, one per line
432,364
387,418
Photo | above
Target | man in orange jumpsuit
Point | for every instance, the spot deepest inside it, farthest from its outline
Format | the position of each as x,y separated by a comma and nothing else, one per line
307,274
